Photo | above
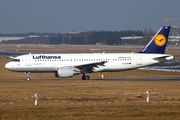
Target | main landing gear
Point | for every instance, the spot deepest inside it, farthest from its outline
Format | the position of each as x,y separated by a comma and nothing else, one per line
85,77
28,76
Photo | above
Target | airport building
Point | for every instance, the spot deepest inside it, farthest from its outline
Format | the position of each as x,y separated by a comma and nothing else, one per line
174,35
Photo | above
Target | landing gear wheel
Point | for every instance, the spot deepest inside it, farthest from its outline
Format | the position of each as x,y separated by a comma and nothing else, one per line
28,78
85,77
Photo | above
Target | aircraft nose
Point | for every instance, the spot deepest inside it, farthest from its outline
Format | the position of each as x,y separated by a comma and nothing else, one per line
8,66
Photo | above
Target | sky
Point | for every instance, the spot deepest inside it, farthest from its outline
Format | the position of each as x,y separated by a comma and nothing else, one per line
62,16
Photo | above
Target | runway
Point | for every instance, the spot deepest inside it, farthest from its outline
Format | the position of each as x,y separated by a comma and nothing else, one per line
141,79
168,66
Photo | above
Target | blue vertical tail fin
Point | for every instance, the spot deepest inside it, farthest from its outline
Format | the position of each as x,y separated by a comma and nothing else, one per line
159,42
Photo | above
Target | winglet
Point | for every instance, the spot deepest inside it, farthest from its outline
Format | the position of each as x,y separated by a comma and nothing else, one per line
159,42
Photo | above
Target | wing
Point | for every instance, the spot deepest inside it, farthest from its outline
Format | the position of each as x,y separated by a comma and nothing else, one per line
89,67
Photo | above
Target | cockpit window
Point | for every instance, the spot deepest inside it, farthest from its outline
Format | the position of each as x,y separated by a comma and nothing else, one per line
16,60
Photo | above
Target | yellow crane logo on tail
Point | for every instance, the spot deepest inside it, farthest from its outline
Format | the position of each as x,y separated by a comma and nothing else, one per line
160,40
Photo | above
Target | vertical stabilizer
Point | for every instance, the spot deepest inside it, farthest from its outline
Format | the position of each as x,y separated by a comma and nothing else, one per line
159,42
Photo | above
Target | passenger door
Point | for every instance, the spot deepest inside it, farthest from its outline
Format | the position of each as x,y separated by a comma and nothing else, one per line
28,60
139,60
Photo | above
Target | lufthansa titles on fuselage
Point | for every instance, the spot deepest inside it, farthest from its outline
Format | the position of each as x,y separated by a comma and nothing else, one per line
46,57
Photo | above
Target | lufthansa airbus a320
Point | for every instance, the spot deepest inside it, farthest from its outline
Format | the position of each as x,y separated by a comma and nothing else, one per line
68,65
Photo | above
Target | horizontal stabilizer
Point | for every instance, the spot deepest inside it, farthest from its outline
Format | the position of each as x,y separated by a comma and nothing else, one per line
164,58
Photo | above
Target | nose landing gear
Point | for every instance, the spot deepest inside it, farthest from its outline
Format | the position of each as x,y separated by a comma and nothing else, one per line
28,76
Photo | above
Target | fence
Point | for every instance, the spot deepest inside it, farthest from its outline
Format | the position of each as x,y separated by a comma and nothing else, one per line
140,96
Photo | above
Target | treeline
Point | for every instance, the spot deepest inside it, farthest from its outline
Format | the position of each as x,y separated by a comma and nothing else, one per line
98,37
83,38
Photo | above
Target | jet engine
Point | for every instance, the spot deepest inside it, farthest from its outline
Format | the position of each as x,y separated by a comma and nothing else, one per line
64,72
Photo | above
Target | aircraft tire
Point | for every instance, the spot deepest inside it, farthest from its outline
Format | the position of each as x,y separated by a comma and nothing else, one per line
28,78
85,77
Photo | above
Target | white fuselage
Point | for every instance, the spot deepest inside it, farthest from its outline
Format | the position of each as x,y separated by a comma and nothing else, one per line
112,61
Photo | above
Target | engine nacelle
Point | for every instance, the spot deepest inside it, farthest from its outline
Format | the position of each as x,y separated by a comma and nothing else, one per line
64,72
